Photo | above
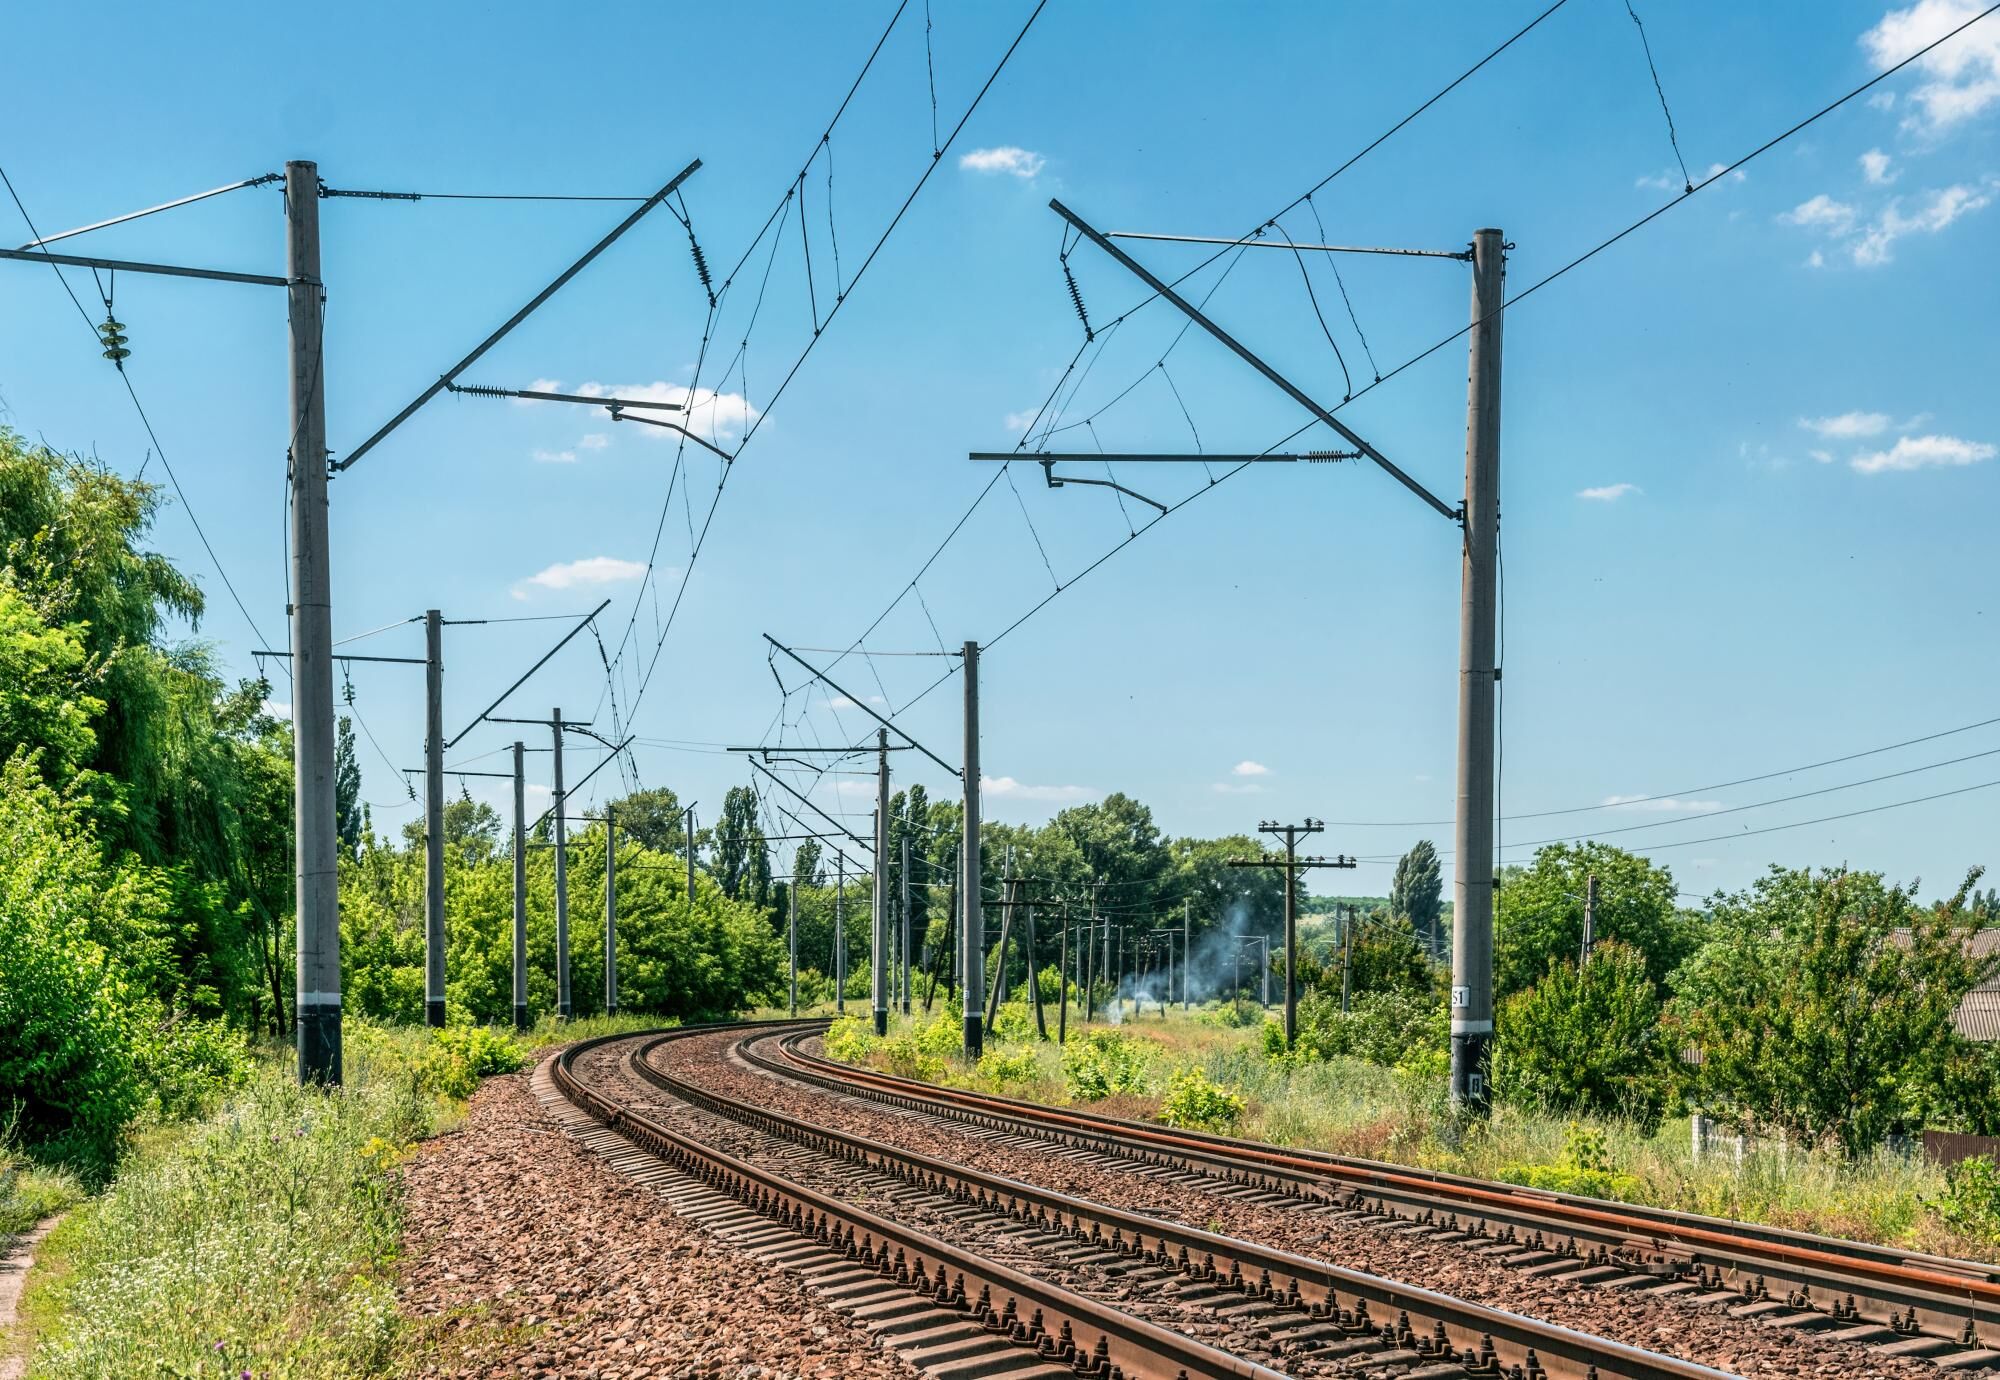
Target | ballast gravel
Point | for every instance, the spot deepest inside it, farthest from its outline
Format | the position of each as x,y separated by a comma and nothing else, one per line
526,1256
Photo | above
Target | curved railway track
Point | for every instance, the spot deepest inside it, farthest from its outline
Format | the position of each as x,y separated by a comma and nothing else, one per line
1897,1303
1091,1289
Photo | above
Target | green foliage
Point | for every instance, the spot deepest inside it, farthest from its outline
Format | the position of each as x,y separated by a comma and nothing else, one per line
849,1040
1196,1102
1098,1063
1001,1067
29,1192
906,1057
1382,1028
190,1064
484,1049
1229,1015
1822,1009
1539,916
1586,1039
943,1034
1585,1169
1971,1200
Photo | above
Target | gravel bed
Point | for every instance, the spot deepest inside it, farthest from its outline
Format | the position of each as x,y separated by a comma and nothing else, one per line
1706,1335
527,1256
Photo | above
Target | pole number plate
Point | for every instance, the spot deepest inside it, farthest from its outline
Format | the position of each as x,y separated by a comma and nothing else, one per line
1461,996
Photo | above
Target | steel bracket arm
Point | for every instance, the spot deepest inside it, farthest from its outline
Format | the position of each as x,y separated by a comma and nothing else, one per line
1297,394
1049,473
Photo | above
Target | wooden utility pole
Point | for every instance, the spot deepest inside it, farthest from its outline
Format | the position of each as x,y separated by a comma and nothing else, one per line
1589,918
1472,858
1347,953
1290,866
904,878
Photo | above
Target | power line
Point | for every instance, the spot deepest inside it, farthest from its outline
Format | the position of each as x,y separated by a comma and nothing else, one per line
1673,138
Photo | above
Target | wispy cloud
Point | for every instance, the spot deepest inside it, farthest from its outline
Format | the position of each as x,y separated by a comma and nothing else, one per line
1020,421
1237,788
555,457
1821,213
1664,804
1847,426
596,440
278,709
843,702
1249,768
1875,167
1921,453
591,570
1007,158
1609,493
540,386
1007,788
1670,180
1960,78
1934,211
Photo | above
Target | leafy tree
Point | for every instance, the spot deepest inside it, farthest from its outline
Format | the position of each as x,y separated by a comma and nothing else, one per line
1587,1039
807,867
346,788
1539,915
1822,1006
471,831
743,859
1417,892
653,818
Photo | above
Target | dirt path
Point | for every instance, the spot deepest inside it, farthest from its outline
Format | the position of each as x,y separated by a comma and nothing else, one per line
15,1263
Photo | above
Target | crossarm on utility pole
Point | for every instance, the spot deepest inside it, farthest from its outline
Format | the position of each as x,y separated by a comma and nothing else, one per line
610,757
820,675
859,842
518,317
1297,394
481,716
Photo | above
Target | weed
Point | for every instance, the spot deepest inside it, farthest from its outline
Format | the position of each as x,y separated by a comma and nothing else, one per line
1195,1102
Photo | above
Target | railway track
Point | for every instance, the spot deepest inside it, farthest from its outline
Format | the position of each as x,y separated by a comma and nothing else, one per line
1896,1304
971,1274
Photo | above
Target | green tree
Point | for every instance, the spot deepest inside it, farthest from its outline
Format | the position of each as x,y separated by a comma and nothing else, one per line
653,818
1822,1006
346,788
1417,892
1539,915
1587,1039
742,858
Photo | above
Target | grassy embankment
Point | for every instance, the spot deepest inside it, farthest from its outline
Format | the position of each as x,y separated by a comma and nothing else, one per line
260,1239
1353,1107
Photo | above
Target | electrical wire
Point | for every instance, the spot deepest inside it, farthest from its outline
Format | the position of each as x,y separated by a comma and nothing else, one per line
1672,137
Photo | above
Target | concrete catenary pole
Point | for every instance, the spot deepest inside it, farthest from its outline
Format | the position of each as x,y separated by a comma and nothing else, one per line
610,913
1291,942
564,1007
317,876
879,979
903,874
1589,918
520,892
791,936
840,934
1472,870
433,818
1187,956
1063,982
972,923
1346,953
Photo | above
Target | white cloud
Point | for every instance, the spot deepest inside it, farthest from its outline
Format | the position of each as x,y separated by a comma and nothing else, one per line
555,457
1609,493
1248,768
1847,426
596,440
1664,804
591,570
1882,100
704,411
1021,421
1008,158
1815,260
1825,457
1821,213
1007,788
1235,788
1960,77
1922,452
539,386
1937,210
278,709
1875,167
843,702
1672,181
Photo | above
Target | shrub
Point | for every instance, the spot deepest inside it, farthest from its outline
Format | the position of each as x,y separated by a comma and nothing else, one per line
849,1040
1383,1027
1585,1169
1585,1039
1099,1063
943,1035
190,1064
1971,1201
485,1050
1230,1015
1012,1020
1003,1066
906,1057
1194,1102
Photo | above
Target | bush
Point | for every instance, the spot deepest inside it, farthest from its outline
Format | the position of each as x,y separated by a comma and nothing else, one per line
906,1057
1230,1015
1586,1039
190,1064
943,1035
1383,1028
485,1050
1002,1067
1012,1020
1585,1169
849,1040
1099,1063
1194,1102
1971,1201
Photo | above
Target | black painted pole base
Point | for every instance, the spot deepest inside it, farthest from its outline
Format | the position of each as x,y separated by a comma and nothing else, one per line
521,1017
975,1036
434,1014
881,1022
1471,1070
319,1044
564,1012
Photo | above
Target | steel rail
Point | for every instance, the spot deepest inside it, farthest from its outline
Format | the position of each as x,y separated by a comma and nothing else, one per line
1462,1331
1885,1281
1004,1297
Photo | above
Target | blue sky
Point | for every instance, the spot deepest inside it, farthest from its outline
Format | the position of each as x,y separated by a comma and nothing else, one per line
1748,453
